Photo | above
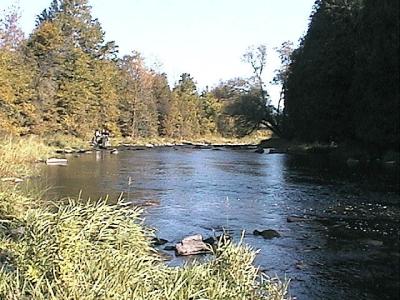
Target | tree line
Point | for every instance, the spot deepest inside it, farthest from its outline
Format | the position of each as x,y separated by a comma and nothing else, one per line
65,78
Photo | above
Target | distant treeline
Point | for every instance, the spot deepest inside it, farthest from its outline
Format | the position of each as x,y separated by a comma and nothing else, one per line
66,78
343,83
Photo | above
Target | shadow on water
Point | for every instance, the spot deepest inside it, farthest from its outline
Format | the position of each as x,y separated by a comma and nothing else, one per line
348,249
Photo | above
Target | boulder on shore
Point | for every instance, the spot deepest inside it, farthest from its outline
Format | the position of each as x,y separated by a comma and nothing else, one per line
192,245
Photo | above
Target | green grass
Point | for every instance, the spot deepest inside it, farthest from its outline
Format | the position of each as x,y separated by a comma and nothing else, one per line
97,250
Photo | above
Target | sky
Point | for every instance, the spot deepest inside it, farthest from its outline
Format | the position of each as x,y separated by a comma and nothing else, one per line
205,38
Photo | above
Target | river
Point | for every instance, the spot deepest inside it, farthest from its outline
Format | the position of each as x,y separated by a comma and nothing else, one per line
348,250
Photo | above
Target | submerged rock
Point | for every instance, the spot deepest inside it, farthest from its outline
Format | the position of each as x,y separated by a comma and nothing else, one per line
192,245
259,150
169,248
267,234
352,162
292,219
370,242
211,240
158,241
222,239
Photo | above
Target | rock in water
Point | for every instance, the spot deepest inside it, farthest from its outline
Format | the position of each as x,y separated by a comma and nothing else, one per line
292,219
192,245
158,241
352,162
267,234
56,161
259,150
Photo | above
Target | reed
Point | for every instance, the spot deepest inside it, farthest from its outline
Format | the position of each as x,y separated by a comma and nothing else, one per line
18,154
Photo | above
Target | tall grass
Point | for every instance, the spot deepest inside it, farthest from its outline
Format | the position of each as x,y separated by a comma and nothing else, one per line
96,250
18,154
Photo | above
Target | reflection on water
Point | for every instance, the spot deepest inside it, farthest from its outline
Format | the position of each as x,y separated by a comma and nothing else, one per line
350,252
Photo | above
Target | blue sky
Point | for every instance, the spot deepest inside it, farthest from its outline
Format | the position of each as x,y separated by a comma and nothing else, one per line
205,38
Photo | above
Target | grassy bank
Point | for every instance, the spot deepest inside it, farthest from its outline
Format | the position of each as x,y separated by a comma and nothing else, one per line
93,250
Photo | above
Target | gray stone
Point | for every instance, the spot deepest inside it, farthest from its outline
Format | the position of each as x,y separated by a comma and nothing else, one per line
192,245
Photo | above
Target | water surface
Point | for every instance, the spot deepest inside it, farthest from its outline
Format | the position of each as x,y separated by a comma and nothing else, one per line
350,253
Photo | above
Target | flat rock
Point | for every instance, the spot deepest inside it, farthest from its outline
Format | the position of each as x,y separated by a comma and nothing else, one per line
56,161
192,245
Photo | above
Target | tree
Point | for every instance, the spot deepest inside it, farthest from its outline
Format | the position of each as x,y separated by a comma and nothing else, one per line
76,76
282,74
184,114
211,109
17,112
257,58
138,106
317,100
162,94
11,34
376,76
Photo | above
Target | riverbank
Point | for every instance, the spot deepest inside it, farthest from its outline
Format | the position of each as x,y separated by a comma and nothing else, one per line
71,144
94,250
351,155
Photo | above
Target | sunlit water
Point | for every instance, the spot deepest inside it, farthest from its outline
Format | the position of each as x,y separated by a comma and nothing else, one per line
352,254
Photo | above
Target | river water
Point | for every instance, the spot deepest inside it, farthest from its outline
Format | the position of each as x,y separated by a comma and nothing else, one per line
348,250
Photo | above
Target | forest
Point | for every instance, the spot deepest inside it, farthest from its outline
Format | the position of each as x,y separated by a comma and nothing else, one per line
340,84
